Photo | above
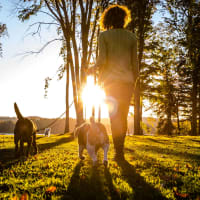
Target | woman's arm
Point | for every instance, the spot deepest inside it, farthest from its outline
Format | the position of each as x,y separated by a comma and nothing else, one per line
102,57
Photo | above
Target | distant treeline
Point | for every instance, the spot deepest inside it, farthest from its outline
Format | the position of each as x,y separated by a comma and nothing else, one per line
150,125
7,124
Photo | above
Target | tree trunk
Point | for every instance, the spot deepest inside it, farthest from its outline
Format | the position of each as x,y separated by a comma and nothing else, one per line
194,103
137,128
199,112
67,99
138,96
178,120
199,108
194,71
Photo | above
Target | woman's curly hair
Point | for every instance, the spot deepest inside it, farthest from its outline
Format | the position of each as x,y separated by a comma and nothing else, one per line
115,16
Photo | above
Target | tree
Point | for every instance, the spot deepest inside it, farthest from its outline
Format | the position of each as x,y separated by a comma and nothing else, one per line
184,19
3,32
76,21
162,81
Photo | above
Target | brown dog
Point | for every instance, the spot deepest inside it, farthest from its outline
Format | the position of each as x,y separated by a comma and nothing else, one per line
25,131
92,136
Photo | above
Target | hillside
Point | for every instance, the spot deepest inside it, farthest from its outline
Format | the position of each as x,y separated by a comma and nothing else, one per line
7,124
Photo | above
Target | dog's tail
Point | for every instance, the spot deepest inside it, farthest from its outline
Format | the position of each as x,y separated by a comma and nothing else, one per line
19,115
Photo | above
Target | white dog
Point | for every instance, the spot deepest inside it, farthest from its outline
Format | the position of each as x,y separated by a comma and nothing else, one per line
92,136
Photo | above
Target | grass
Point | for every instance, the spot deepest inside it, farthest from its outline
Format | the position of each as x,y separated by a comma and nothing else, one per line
156,168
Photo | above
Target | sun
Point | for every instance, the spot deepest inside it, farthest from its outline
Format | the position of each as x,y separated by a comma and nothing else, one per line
93,96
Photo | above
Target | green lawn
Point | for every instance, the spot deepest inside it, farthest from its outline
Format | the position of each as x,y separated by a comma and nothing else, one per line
156,168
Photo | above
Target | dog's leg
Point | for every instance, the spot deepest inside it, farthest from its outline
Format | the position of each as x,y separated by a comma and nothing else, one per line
91,152
34,144
21,147
80,151
16,140
28,148
105,160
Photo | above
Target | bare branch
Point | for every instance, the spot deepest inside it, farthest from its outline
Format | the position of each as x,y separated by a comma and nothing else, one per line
64,8
89,14
92,36
39,24
51,10
40,50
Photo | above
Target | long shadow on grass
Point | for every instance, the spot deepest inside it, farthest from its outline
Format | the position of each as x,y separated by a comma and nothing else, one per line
168,151
112,190
89,186
49,145
156,141
142,190
8,159
193,140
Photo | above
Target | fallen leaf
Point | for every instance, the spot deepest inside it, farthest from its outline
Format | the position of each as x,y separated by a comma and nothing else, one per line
115,165
184,195
178,194
24,196
51,189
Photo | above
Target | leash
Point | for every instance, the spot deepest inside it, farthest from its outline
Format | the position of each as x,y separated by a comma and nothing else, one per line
55,119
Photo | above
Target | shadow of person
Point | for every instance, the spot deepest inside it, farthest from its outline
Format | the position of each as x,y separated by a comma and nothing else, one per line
73,189
142,190
112,190
84,186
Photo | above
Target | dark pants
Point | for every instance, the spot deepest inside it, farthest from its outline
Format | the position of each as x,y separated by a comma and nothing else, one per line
118,98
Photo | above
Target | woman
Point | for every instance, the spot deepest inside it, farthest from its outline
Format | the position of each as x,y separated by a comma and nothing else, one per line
118,69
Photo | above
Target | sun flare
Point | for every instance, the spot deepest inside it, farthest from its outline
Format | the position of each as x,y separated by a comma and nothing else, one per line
93,96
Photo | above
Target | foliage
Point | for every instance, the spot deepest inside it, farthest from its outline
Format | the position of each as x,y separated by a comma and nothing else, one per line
162,82
157,168
3,32
76,24
184,20
7,126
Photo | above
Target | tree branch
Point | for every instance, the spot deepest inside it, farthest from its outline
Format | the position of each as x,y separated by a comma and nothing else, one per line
51,10
39,27
41,49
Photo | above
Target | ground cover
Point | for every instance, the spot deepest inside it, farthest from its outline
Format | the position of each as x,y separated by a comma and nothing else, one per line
155,168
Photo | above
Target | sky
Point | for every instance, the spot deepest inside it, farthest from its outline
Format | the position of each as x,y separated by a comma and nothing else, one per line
22,77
